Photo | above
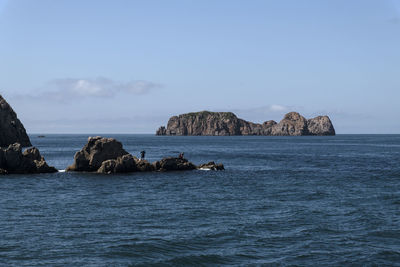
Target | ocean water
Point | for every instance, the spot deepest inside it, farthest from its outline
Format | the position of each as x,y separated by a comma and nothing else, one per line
305,201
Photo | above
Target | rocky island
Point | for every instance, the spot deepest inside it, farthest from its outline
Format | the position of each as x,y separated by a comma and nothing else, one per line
106,155
227,123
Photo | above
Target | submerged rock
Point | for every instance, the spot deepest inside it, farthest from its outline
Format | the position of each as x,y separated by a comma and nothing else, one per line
11,129
211,166
12,160
226,123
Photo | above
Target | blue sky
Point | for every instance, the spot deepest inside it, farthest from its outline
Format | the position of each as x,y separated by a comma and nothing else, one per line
127,66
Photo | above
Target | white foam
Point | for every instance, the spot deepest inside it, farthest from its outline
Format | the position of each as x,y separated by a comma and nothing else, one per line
205,169
61,170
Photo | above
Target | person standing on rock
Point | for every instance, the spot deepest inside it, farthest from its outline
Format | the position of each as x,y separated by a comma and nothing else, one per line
142,154
181,155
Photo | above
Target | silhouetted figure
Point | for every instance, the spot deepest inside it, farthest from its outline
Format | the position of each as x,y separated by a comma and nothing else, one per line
142,154
181,155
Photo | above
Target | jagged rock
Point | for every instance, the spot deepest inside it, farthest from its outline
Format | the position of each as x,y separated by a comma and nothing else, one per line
203,123
320,125
292,124
144,166
268,127
11,129
95,152
108,166
12,160
126,163
161,131
174,164
211,166
226,123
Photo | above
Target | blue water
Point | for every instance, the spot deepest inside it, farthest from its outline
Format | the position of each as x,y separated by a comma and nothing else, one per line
281,201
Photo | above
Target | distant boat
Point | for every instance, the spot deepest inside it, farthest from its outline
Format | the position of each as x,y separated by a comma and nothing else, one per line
41,136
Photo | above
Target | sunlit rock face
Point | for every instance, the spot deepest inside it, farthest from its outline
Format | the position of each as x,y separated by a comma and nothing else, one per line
226,123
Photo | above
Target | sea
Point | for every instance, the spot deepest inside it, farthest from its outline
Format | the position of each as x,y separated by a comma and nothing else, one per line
282,201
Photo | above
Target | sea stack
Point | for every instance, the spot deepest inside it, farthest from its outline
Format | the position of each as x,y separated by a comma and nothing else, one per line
227,123
11,129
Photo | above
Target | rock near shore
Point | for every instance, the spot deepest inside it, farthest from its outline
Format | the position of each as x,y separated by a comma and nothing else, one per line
227,123
11,129
12,160
106,155
97,150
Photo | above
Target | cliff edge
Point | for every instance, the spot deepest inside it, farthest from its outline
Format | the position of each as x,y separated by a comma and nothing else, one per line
11,129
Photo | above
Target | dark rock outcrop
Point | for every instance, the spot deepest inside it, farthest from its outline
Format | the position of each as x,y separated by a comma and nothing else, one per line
144,166
12,160
91,157
123,164
11,129
173,164
106,155
161,131
226,123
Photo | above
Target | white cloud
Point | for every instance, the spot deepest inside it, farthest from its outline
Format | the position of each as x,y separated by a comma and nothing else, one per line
63,90
277,108
84,87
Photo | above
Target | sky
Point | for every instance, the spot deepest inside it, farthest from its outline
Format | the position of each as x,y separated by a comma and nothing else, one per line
72,66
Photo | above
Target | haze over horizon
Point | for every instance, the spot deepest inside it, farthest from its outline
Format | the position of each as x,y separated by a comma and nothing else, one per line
127,66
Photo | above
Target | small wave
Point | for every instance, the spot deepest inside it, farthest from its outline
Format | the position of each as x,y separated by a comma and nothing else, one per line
193,259
61,170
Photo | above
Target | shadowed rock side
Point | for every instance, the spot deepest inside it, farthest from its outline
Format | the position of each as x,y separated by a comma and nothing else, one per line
11,129
12,160
95,152
106,155
226,123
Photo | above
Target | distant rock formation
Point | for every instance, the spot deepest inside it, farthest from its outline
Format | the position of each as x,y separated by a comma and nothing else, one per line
320,125
161,131
11,129
12,160
106,155
226,123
